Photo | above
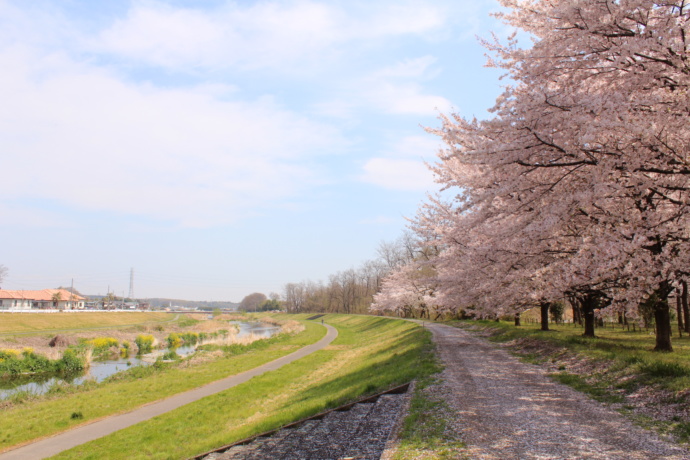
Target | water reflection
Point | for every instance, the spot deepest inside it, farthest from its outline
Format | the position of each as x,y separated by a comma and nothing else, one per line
100,370
256,328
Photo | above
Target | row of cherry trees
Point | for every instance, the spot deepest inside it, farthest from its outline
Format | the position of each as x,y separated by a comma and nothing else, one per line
577,186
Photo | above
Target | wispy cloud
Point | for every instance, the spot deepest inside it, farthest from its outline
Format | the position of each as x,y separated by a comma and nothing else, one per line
89,140
402,166
259,35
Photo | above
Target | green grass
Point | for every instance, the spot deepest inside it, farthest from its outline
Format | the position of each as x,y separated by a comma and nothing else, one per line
369,355
621,350
23,323
428,431
598,390
43,416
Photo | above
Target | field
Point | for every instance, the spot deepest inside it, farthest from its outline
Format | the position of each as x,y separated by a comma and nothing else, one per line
23,323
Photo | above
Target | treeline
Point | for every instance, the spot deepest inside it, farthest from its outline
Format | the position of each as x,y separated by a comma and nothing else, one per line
352,290
200,304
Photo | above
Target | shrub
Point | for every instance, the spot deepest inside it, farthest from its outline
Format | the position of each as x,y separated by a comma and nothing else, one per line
144,342
174,340
71,362
100,344
31,363
125,350
28,352
8,354
190,338
171,355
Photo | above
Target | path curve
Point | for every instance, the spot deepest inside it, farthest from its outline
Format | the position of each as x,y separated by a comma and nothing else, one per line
53,445
508,409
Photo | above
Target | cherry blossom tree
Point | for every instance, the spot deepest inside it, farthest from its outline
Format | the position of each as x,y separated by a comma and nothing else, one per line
579,182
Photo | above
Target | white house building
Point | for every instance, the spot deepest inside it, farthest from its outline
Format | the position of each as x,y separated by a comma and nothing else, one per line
60,299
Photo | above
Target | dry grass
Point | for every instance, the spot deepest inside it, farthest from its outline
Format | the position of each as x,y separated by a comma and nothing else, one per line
11,323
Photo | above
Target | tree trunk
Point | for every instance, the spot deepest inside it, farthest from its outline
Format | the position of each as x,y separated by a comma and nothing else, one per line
517,319
679,313
588,305
544,306
662,317
577,310
686,311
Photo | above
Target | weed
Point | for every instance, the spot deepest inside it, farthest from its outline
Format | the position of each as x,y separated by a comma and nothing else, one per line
170,355
681,431
76,416
23,396
174,340
144,343
661,369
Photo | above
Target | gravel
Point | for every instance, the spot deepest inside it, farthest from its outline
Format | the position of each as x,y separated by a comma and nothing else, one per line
507,409
359,433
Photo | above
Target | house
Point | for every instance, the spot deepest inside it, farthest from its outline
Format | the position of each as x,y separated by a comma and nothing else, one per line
60,299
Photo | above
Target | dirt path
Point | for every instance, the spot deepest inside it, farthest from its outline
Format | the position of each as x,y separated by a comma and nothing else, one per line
511,410
53,445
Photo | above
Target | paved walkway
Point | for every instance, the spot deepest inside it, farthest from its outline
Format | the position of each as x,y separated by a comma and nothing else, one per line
508,409
51,446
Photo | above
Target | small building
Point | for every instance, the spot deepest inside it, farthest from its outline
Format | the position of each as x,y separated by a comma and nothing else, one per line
60,299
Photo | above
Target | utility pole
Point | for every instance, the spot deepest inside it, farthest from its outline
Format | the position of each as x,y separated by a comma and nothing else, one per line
131,284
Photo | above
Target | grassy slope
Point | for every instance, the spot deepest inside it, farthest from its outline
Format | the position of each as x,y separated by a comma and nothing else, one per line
38,323
370,354
34,419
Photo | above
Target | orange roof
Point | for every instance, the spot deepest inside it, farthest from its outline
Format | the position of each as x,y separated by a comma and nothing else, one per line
45,294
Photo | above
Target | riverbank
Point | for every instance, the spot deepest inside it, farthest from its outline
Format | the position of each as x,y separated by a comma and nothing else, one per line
31,418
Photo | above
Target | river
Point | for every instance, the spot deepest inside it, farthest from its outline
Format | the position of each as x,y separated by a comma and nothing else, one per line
100,370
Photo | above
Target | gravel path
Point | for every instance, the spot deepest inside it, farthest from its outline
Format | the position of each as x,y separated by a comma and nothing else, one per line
511,410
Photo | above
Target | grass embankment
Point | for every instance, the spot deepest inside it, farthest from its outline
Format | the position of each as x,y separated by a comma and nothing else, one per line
617,367
140,385
369,355
22,323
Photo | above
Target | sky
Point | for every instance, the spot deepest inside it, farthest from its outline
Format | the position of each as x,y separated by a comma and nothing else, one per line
219,148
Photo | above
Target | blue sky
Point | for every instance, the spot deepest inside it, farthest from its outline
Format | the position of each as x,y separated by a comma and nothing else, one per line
222,147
